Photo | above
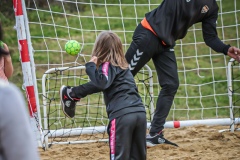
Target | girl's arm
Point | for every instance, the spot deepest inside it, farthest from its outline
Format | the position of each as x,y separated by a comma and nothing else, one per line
101,77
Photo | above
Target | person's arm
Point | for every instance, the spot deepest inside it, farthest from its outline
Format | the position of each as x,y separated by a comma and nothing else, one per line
16,136
210,35
8,67
101,77
212,40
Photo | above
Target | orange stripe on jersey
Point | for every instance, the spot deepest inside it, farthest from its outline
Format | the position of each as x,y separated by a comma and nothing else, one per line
146,25
163,43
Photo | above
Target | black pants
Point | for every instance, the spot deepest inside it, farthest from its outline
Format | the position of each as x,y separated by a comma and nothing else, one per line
127,137
145,46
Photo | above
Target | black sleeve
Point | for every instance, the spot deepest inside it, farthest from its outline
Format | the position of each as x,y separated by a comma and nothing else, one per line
210,33
102,77
85,89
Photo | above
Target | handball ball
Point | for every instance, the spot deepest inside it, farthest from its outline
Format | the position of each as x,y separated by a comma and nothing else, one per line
72,47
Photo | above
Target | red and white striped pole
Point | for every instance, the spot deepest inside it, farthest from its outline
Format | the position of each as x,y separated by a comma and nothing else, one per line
28,78
25,58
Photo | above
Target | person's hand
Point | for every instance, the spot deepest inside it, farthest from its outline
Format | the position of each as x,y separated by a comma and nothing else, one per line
94,59
4,51
234,52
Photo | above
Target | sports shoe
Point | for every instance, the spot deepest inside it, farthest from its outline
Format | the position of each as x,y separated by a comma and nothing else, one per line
68,103
158,139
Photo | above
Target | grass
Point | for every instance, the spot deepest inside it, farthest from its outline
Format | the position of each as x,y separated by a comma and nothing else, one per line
202,72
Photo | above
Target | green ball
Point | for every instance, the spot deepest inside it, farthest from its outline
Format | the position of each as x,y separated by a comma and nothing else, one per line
72,47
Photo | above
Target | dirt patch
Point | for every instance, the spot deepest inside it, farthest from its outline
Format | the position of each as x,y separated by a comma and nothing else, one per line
195,143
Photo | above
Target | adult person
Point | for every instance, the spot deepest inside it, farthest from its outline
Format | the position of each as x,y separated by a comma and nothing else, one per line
154,38
16,136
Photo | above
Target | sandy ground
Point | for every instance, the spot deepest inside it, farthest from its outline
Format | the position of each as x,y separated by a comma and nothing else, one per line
195,143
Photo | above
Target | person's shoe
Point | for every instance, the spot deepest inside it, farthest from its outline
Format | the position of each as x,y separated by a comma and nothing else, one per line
68,103
158,139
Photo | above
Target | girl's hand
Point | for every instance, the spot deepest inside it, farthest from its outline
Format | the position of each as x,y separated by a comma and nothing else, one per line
94,59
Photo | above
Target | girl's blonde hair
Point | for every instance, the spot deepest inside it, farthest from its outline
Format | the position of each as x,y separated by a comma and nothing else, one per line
108,48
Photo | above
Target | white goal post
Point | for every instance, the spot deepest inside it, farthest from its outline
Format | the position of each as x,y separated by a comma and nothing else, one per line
90,103
44,26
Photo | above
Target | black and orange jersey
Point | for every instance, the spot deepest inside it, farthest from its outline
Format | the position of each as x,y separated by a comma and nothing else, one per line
118,86
172,18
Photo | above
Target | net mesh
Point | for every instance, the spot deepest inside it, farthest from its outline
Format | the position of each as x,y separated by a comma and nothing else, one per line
203,90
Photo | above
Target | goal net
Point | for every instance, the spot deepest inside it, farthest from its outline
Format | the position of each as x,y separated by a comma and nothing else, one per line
202,97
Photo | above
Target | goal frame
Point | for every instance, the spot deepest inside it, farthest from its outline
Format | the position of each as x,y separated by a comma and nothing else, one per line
77,131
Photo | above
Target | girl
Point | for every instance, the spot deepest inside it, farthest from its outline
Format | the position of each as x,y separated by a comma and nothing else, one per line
109,73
